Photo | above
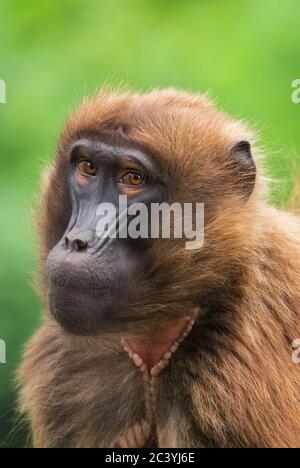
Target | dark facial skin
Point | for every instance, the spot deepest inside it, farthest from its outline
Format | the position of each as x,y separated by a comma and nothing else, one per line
90,281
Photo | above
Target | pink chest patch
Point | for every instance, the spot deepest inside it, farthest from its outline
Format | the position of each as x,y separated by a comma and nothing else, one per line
153,355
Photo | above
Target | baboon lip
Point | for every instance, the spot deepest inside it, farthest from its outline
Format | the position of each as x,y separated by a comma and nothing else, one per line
79,288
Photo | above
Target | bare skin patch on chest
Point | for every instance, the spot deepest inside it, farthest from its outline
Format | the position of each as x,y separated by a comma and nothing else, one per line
152,356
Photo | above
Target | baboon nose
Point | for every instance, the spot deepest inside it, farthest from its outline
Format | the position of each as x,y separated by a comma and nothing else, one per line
78,240
77,244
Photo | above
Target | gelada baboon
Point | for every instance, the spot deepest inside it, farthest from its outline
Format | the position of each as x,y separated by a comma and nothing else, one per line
146,343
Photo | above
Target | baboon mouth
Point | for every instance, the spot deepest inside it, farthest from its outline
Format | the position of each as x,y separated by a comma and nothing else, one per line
88,289
84,311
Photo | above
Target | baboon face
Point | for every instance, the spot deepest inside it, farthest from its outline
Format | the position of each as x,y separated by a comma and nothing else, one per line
151,153
92,278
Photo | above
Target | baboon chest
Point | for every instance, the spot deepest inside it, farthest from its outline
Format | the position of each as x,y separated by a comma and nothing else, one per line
152,358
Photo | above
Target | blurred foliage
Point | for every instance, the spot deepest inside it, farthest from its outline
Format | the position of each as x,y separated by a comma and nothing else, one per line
54,52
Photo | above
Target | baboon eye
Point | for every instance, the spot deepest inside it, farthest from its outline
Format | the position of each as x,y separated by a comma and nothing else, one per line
132,178
87,168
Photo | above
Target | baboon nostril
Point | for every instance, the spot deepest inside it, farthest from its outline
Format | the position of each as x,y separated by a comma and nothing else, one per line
75,244
79,245
79,239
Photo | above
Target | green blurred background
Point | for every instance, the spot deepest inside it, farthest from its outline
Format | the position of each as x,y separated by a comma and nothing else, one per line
54,52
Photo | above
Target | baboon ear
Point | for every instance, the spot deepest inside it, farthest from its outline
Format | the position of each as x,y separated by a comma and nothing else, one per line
244,166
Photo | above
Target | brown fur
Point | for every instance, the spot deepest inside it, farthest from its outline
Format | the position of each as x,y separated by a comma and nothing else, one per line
232,383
